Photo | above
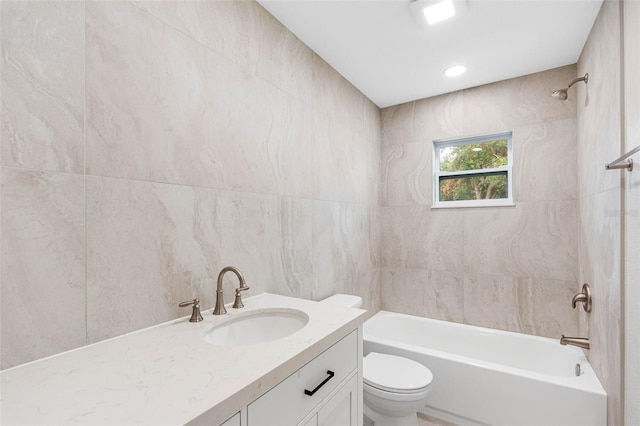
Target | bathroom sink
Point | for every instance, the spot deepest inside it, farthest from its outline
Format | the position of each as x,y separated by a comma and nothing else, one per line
257,327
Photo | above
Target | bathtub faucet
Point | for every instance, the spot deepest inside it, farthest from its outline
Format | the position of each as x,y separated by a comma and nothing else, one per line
581,342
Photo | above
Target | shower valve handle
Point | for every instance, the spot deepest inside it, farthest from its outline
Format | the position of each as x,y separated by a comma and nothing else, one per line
584,297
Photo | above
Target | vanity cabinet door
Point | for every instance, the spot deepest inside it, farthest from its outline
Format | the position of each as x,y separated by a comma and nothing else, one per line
312,421
342,408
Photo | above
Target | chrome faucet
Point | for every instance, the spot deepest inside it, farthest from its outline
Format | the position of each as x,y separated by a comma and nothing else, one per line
581,342
220,309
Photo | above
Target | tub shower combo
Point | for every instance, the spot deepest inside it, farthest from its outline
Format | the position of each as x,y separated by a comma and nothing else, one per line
482,376
486,376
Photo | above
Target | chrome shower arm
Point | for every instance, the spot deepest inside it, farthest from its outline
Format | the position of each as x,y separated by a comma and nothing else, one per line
575,80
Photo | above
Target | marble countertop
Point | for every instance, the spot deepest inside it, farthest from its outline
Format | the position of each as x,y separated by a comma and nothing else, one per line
167,374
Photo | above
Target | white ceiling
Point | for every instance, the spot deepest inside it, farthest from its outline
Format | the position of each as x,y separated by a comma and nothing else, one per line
382,50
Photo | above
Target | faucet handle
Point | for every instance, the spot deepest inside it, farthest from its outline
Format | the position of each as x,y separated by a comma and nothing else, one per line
195,313
583,297
237,304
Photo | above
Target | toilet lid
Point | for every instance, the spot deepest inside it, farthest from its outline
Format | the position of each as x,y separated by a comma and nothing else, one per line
394,373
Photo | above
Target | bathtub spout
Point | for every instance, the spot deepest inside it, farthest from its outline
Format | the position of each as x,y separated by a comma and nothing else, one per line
581,342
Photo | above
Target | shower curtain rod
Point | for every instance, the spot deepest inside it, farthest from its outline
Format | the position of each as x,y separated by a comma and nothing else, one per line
618,164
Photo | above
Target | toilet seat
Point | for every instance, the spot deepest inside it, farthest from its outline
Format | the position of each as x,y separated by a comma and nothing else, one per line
394,374
394,397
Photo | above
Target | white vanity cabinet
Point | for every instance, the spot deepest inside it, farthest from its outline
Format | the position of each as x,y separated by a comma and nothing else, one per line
326,391
339,409
233,421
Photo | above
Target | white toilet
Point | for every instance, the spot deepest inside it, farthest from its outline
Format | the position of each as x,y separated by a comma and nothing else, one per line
394,388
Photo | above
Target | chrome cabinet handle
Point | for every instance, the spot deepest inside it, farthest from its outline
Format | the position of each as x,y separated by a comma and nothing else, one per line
329,377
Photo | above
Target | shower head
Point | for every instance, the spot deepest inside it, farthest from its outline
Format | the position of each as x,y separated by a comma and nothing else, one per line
562,95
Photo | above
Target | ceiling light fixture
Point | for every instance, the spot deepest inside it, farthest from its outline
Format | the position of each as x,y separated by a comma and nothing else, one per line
455,70
434,11
439,12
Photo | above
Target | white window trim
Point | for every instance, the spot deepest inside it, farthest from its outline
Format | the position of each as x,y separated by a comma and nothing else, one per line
443,143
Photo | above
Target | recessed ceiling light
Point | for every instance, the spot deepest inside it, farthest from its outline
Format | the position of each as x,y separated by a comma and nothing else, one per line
439,11
455,70
429,12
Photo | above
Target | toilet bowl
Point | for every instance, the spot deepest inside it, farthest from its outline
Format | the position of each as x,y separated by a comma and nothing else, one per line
394,388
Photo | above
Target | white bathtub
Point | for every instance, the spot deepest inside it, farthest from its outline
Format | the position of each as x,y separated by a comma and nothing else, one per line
485,376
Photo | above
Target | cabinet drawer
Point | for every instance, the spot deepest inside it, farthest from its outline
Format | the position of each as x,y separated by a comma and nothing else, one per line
287,403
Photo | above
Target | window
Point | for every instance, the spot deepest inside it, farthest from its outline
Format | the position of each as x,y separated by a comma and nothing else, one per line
473,172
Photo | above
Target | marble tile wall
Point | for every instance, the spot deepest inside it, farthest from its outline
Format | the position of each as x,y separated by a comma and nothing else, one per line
600,192
512,268
42,216
146,145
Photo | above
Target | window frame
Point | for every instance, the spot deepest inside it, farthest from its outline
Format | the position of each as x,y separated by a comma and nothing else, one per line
438,174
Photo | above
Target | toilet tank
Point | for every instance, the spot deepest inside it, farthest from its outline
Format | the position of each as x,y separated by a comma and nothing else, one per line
345,300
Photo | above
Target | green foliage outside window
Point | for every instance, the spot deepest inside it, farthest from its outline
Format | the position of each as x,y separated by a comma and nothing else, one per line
474,156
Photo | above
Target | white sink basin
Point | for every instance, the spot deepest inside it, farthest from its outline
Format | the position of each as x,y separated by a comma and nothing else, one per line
261,326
